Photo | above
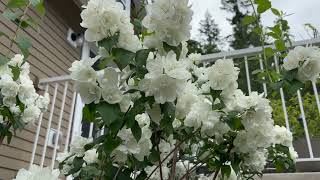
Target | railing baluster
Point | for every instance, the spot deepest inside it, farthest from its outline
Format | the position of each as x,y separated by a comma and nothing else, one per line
36,138
53,160
263,84
91,130
316,95
305,126
66,145
49,124
247,74
283,101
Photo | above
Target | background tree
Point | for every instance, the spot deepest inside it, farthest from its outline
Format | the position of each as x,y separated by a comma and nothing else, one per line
243,35
209,32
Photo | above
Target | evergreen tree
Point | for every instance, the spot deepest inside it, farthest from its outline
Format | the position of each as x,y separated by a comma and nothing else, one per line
243,35
209,32
194,47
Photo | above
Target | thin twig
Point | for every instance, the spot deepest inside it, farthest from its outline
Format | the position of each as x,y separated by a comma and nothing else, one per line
17,28
115,177
171,153
265,60
194,167
160,163
216,174
174,162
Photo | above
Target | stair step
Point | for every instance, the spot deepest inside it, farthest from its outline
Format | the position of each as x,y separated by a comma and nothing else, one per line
292,176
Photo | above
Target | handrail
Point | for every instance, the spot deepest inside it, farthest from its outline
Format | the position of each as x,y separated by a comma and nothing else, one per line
54,79
252,51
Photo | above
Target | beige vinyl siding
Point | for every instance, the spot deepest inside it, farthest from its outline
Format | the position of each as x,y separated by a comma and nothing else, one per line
51,55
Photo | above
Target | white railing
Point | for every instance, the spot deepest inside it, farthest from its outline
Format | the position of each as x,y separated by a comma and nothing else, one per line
52,137
73,121
244,54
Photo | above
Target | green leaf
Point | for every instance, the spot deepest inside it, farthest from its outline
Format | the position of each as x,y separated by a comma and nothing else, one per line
109,42
136,131
280,45
225,170
11,15
290,75
141,57
123,57
263,5
9,137
24,44
41,8
248,20
90,172
35,2
77,165
138,108
3,60
168,111
20,104
15,71
103,63
89,112
293,86
111,143
275,11
17,3
269,52
176,49
109,112
140,62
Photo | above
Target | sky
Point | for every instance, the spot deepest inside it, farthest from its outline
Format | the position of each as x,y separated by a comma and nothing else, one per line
303,11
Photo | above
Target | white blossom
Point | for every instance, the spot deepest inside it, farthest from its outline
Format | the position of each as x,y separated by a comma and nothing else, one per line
105,18
82,71
17,60
77,145
30,114
91,156
293,154
306,59
186,99
256,160
223,74
156,175
38,173
89,92
109,82
43,101
195,58
170,20
130,145
165,79
282,136
8,86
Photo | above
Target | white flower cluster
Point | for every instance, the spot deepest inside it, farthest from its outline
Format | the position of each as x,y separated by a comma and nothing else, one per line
130,146
169,20
77,150
93,85
166,77
259,131
38,173
17,90
306,60
105,18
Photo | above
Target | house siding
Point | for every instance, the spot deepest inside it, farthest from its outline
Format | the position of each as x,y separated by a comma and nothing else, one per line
51,55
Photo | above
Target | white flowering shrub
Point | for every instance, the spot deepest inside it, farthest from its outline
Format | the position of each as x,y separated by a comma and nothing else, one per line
37,173
20,103
164,113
